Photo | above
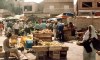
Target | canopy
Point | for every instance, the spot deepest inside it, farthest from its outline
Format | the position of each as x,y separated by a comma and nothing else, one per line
69,14
52,19
1,19
62,16
65,15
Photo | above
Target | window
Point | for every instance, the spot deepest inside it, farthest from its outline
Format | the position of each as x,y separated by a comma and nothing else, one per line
27,8
98,4
86,4
51,7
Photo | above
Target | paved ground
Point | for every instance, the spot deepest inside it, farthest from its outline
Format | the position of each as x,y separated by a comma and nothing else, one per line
74,52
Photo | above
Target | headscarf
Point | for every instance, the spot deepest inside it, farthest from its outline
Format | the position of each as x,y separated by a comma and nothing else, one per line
93,33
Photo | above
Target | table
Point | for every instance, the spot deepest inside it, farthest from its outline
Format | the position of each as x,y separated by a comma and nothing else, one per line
55,52
43,36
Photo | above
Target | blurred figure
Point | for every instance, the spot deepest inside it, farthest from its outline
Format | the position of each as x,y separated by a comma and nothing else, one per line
43,25
48,24
1,28
16,28
8,49
55,30
30,26
21,24
37,26
72,29
26,27
60,29
5,25
89,52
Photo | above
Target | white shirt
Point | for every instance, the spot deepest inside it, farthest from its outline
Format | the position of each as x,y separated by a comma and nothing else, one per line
16,26
26,26
21,24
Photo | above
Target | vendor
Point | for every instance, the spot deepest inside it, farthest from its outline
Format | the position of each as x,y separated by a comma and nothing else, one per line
8,48
43,25
37,26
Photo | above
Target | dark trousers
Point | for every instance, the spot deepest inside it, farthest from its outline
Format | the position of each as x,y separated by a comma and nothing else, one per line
27,30
6,55
16,31
61,37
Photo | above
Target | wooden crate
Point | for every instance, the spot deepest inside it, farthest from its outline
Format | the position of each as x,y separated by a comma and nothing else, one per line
44,37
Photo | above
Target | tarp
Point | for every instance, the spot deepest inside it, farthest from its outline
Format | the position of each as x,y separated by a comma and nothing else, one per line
69,14
61,16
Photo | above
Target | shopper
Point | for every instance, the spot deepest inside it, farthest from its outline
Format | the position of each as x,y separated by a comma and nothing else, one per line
55,30
16,28
26,27
60,32
72,29
1,28
37,26
43,25
89,52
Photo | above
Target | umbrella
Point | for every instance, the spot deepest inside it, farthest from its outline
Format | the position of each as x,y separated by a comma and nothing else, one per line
69,14
52,19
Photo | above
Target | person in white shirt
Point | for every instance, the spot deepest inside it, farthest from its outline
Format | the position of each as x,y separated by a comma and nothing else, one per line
20,24
5,25
16,28
26,27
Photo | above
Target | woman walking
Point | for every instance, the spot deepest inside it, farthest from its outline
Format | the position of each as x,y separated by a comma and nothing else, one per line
89,52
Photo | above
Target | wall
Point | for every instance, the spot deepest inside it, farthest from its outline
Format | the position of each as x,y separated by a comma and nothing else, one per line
83,22
34,7
58,6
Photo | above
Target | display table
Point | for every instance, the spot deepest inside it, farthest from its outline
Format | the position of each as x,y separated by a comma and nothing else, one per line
55,51
43,36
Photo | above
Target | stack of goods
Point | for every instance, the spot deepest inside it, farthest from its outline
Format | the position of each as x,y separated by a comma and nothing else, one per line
57,50
45,35
27,41
13,41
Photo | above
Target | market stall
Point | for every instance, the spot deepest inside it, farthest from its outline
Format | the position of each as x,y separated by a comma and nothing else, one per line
53,50
45,35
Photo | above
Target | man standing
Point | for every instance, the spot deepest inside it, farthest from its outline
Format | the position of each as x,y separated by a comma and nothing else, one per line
61,32
16,28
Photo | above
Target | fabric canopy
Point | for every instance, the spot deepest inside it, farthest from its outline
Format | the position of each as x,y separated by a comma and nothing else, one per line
62,16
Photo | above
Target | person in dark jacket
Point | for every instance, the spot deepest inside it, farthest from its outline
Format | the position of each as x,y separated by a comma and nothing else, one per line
60,28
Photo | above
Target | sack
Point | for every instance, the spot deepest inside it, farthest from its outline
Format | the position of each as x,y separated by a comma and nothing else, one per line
29,43
96,44
86,45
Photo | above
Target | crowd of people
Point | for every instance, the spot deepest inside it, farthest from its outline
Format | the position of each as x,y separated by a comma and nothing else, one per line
20,28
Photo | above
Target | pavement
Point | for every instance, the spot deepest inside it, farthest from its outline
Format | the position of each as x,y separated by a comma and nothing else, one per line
74,53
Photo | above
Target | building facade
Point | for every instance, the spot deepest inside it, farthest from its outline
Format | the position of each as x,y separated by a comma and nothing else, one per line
29,7
5,13
88,7
58,6
52,7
